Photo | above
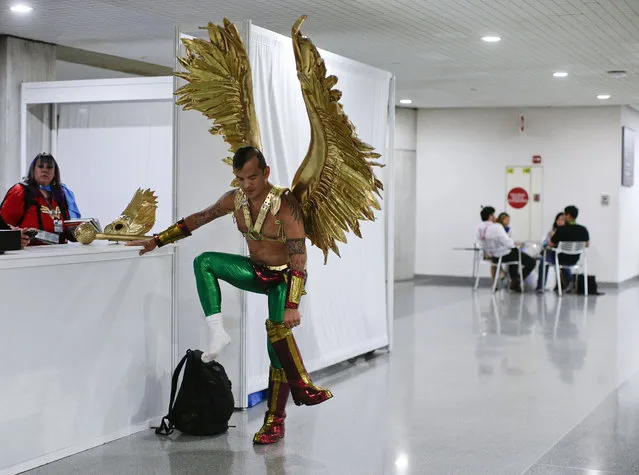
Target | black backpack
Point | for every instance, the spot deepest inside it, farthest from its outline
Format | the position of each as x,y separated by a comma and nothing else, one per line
204,403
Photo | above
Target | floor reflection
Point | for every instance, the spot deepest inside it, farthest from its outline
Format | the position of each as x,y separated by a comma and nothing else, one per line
505,324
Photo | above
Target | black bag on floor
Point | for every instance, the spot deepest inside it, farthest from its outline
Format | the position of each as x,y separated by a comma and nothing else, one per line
592,285
204,403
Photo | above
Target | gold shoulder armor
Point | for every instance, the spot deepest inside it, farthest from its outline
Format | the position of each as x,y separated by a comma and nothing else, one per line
239,199
276,201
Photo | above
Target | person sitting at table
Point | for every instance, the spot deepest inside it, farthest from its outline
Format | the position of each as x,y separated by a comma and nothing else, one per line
542,276
492,238
504,220
6,227
41,201
570,232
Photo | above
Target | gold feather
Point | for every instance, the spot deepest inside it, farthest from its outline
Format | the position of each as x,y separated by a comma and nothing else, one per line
220,85
335,183
139,216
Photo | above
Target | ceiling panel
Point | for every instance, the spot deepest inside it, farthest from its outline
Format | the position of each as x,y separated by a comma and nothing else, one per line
433,46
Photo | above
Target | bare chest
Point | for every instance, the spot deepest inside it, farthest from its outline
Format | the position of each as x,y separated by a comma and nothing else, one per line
271,228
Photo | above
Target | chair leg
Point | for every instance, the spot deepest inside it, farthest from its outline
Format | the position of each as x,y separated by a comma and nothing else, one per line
521,273
586,279
497,272
544,266
476,270
558,272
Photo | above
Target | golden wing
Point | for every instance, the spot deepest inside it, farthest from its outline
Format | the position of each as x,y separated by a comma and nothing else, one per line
335,183
220,85
139,216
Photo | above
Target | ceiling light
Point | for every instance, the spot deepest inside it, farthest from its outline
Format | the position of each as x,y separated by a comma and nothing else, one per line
491,39
560,74
20,8
603,97
405,101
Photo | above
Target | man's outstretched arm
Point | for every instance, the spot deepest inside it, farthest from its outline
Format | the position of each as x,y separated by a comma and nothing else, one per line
222,207
186,226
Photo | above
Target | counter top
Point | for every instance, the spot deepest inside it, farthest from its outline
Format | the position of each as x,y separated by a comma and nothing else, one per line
73,253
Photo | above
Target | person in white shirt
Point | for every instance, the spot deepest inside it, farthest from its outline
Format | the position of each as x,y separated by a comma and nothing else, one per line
496,243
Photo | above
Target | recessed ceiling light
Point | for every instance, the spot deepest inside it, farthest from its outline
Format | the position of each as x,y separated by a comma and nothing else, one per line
20,8
560,74
405,101
603,97
491,39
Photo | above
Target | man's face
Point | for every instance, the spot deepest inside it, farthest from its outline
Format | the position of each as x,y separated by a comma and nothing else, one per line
43,172
492,218
252,180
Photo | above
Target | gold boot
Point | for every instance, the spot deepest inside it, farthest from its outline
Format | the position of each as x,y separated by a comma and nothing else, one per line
273,428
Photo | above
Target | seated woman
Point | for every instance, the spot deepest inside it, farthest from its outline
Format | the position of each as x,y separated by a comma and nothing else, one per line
41,201
560,220
504,220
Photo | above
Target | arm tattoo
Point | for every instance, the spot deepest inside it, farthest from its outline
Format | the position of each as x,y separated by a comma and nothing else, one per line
209,214
296,246
294,206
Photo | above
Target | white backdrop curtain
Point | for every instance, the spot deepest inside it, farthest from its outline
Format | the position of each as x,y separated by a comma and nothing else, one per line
345,312
108,150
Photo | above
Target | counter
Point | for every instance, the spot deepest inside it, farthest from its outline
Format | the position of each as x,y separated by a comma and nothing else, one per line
85,348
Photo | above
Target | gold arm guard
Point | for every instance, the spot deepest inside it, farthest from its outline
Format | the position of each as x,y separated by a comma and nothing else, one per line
296,280
173,233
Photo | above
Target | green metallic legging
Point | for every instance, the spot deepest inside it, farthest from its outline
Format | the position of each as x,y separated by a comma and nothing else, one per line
238,271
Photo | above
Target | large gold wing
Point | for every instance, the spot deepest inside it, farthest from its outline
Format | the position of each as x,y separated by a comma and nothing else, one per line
220,85
335,183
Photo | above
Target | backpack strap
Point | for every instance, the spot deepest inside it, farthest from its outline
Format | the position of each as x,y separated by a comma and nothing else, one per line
166,427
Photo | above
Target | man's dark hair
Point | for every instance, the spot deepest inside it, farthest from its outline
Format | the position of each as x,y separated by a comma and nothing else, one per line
572,211
244,154
486,212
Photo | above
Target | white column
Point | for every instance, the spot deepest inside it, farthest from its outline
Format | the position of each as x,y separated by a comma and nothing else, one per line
405,192
22,61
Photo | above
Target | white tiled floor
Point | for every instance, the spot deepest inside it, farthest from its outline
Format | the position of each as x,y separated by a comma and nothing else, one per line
476,384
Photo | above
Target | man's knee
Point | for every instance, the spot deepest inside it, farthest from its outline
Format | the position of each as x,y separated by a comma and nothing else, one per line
203,261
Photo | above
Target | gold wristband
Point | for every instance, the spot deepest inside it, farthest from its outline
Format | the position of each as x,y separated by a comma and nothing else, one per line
295,289
173,233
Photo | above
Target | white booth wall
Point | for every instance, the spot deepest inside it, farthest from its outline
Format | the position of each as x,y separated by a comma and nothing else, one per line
106,151
85,348
344,313
201,179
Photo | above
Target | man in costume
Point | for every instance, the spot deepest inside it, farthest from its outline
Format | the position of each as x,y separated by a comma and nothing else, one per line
332,190
272,222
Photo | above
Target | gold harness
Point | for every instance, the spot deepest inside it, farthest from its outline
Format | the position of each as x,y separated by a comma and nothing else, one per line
272,203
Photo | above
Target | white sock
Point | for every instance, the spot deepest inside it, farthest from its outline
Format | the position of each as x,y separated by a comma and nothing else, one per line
218,338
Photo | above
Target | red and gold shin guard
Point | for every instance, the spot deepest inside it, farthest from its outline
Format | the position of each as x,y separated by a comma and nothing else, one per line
273,428
303,390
